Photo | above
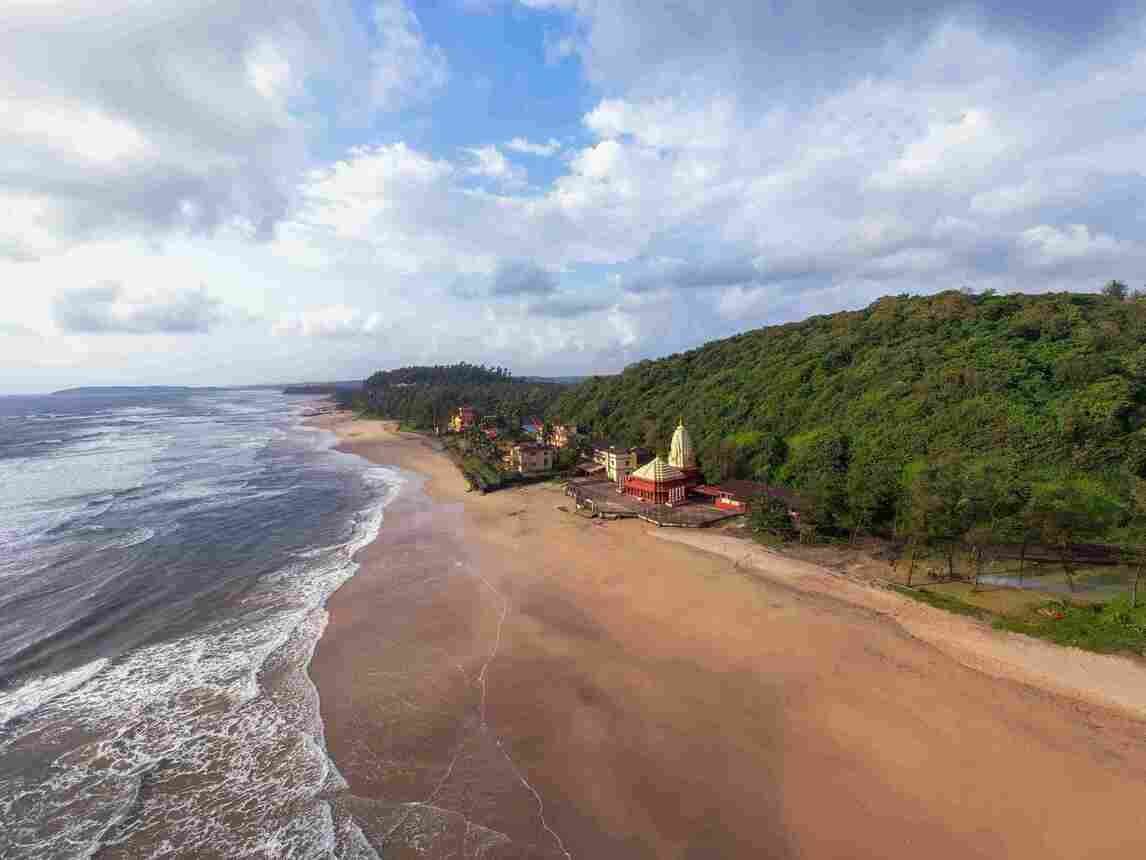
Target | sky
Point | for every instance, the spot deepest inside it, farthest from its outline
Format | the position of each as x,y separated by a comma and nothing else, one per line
230,192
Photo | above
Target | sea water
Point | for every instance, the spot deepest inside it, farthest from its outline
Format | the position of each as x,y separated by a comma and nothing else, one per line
164,562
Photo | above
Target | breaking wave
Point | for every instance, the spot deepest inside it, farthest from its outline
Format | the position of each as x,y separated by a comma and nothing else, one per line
167,709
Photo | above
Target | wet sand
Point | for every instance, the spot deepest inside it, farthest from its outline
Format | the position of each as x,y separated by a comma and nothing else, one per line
502,679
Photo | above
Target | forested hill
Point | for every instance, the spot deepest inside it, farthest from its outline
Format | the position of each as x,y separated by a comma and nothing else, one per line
872,409
424,397
462,373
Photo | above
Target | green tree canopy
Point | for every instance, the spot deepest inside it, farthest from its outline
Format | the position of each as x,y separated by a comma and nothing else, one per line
840,406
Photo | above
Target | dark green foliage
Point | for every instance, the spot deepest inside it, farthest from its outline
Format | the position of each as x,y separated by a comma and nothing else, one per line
424,397
769,514
461,373
988,397
1131,538
749,452
1069,511
484,474
1064,512
871,486
477,458
566,458
817,465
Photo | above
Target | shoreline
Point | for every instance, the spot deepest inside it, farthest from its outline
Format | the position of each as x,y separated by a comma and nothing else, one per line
1103,680
511,679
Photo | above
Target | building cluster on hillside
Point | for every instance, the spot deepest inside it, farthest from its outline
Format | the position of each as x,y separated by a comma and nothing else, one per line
525,458
634,472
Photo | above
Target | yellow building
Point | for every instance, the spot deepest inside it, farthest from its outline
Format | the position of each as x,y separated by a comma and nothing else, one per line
563,434
463,419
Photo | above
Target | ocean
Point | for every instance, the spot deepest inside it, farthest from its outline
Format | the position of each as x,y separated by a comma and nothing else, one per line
164,562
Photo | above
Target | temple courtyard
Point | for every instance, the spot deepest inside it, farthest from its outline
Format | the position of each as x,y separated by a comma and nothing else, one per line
600,497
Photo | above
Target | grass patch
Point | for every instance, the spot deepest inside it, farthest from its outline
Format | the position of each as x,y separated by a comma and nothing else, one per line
941,601
1105,627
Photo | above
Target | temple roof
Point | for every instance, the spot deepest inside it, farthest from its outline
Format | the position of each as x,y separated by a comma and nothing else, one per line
681,453
658,471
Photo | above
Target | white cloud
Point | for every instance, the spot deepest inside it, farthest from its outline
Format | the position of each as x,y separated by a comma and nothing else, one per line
28,227
908,263
384,207
741,301
13,330
521,277
733,169
697,274
73,131
706,194
406,68
177,109
270,72
891,182
1045,245
186,115
489,161
953,151
1010,199
333,321
669,122
110,309
528,147
569,306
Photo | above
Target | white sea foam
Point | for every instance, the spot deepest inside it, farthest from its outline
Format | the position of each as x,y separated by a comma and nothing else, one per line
193,707
37,443
37,692
216,735
134,537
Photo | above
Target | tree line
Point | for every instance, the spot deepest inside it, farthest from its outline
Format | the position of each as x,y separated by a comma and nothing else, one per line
461,373
424,397
979,418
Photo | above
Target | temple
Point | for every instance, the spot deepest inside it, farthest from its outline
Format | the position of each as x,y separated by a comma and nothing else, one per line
666,491
666,483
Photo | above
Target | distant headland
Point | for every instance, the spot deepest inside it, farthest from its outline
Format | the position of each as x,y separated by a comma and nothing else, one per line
129,389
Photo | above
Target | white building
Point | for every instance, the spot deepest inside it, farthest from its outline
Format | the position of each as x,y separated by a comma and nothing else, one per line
616,459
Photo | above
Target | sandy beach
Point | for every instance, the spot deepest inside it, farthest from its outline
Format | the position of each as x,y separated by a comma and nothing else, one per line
505,679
